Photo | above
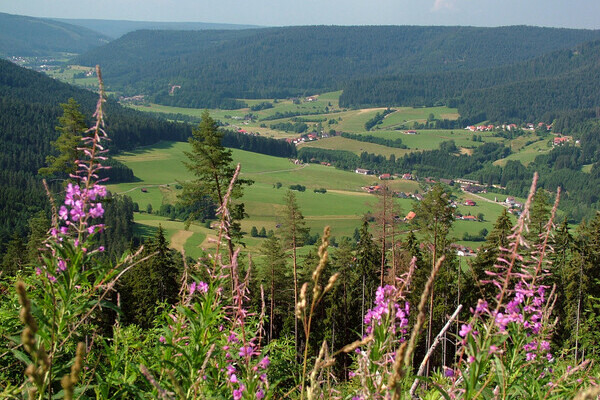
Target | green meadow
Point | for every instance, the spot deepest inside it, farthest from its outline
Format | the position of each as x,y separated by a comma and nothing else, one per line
158,169
526,153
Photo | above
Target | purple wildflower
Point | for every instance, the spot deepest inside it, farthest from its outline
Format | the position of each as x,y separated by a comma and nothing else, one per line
246,351
464,330
264,363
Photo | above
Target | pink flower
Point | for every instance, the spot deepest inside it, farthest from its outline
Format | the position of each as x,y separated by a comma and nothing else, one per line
233,378
161,339
237,394
260,394
264,363
63,213
202,287
97,211
246,351
464,330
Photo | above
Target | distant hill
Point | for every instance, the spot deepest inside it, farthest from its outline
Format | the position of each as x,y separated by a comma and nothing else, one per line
214,67
28,36
525,91
117,28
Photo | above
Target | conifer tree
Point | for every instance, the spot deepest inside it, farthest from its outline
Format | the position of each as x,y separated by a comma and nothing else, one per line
294,231
275,278
15,257
487,256
71,126
539,215
434,218
150,283
368,258
39,225
212,165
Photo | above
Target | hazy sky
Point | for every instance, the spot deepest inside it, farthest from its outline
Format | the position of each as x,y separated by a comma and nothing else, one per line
559,13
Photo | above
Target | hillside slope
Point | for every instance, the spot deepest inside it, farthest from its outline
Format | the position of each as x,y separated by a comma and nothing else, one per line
211,66
562,80
28,36
117,28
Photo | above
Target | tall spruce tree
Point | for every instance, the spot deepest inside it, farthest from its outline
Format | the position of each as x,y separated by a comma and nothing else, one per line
273,275
434,218
71,126
294,231
212,165
150,283
487,257
368,258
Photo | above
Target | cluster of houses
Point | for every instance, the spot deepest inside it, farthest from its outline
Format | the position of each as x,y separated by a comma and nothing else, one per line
309,137
559,140
508,127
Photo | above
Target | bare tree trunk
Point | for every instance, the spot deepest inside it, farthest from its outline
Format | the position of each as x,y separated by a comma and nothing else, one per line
362,318
430,322
430,350
272,302
577,318
383,226
295,294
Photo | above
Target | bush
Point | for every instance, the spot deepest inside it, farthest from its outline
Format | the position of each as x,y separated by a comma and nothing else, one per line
299,188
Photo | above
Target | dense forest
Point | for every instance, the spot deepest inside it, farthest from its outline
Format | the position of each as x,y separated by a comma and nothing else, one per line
525,91
215,67
24,36
117,28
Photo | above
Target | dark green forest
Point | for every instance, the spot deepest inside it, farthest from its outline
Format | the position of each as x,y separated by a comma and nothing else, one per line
526,91
28,36
216,67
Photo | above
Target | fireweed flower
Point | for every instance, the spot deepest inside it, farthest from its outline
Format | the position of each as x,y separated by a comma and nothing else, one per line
387,307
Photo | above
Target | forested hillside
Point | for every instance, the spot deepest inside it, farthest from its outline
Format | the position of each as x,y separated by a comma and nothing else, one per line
117,28
562,80
29,108
214,67
28,36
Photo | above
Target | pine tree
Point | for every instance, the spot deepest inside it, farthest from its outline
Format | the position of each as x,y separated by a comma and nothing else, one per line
368,258
539,215
343,306
15,257
150,283
71,126
39,225
294,231
274,276
487,257
434,218
212,165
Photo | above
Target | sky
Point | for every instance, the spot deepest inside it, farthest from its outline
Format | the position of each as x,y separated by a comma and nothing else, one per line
556,13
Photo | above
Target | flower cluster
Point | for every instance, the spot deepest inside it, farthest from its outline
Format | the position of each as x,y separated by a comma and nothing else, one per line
245,375
387,307
82,204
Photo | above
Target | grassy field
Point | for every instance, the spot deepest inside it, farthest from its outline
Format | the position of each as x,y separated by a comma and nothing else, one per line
354,146
404,116
159,167
526,153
